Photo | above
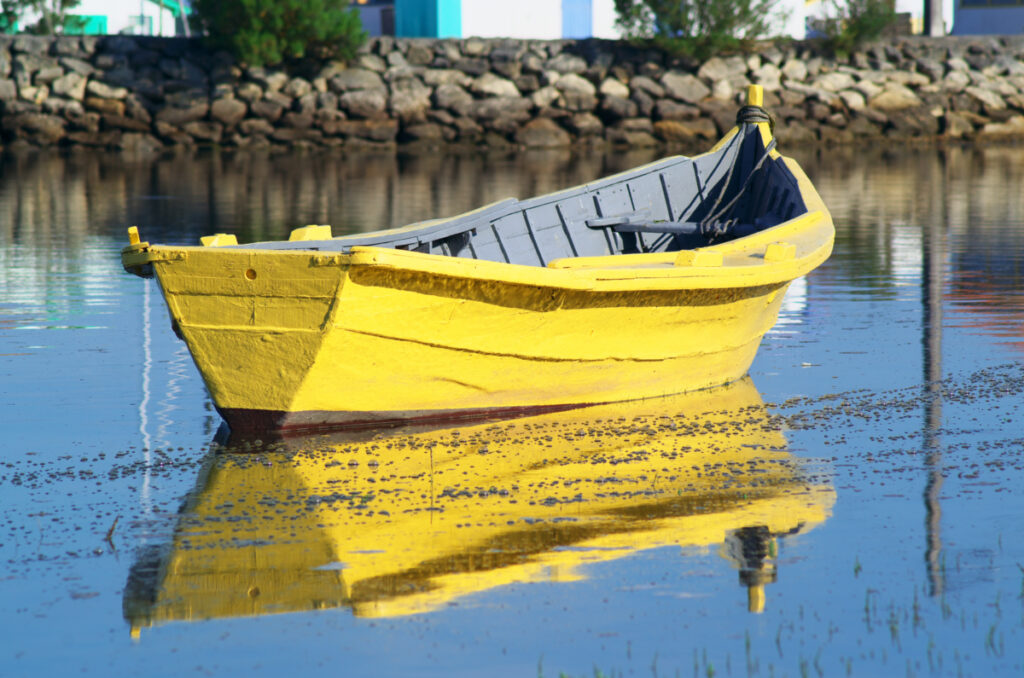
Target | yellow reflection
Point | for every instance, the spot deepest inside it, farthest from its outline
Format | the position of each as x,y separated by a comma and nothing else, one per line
410,520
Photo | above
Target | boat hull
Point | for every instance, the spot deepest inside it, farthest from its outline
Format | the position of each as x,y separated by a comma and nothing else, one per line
363,343
346,333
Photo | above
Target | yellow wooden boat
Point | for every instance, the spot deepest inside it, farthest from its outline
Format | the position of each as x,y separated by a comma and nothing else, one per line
417,519
655,281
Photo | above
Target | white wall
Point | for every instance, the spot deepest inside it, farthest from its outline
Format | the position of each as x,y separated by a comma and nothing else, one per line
791,19
538,19
603,18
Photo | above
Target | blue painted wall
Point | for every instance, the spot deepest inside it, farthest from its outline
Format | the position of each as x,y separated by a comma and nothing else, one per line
577,19
428,18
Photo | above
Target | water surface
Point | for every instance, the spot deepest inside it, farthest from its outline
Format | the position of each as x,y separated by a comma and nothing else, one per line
852,509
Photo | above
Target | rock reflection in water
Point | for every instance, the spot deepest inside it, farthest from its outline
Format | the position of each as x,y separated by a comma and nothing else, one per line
405,521
50,198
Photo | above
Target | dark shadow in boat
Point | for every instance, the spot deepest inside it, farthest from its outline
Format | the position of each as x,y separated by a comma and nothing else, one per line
403,522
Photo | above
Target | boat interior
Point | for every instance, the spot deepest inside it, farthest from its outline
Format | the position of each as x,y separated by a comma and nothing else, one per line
674,204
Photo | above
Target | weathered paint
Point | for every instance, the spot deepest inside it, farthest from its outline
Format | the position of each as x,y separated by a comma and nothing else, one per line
426,536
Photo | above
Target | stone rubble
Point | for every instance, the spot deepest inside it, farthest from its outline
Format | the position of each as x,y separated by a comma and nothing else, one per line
145,94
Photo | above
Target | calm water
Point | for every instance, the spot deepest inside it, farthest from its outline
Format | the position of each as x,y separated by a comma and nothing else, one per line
853,509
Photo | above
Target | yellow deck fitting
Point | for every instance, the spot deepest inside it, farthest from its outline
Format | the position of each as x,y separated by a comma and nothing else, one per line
698,258
311,232
780,251
219,240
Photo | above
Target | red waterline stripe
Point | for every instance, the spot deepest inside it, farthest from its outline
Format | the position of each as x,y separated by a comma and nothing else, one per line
245,422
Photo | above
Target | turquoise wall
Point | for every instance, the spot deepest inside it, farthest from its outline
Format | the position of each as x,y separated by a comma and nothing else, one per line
449,18
428,18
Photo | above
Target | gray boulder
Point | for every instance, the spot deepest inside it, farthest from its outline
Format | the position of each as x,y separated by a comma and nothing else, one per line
566,63
613,87
987,97
545,96
70,85
365,103
355,79
297,88
490,84
8,90
542,133
250,126
435,77
266,109
795,69
666,109
204,131
617,108
768,76
410,100
105,91
515,110
249,91
585,125
684,87
174,115
453,98
642,83
228,112
895,98
575,84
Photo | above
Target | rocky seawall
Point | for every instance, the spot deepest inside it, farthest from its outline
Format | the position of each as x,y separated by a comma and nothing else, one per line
146,94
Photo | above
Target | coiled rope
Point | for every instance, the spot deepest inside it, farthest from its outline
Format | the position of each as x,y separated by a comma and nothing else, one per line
754,114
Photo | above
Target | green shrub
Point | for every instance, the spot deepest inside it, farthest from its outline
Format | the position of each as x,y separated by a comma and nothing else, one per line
698,28
851,23
268,32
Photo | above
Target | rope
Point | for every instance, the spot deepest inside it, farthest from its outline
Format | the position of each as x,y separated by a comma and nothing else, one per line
753,114
709,225
706,227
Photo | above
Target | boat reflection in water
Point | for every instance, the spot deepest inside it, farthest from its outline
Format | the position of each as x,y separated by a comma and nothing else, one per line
407,520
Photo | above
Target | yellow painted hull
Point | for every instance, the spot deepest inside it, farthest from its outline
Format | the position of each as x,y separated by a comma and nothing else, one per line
300,339
417,519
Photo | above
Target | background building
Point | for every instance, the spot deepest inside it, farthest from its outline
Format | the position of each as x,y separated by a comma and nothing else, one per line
135,17
554,19
111,17
989,17
536,19
378,16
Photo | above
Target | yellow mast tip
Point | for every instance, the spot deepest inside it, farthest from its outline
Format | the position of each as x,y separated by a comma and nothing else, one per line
755,95
133,235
